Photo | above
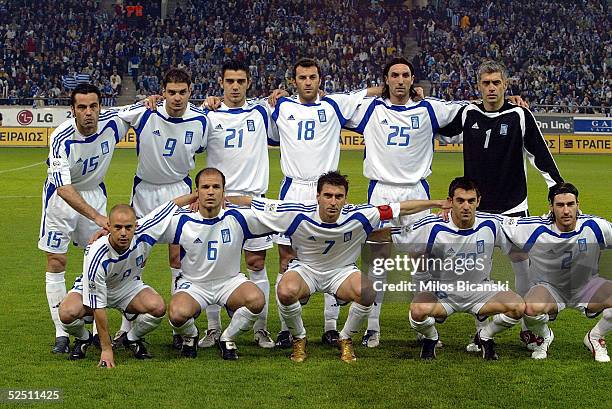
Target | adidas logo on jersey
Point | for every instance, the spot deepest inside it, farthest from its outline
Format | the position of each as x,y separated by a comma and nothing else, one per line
311,238
291,118
197,241
384,122
156,132
475,126
218,126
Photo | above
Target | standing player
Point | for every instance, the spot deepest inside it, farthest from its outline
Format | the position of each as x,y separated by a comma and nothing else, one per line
111,277
497,137
398,135
167,140
238,147
74,195
328,236
468,239
309,133
564,251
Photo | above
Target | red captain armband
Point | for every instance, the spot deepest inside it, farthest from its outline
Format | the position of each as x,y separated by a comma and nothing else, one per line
386,213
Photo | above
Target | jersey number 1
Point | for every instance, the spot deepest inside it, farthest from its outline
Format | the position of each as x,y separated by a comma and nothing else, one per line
486,145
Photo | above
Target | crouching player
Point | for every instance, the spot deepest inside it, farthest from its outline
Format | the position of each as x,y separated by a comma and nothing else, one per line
467,235
564,253
111,278
328,235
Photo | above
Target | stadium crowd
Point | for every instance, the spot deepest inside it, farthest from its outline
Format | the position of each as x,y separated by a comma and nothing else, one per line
47,50
543,44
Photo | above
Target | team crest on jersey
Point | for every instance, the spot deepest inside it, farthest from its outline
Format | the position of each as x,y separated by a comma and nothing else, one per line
322,117
225,236
348,236
270,207
188,137
503,129
414,121
480,246
104,147
92,286
582,246
250,125
140,261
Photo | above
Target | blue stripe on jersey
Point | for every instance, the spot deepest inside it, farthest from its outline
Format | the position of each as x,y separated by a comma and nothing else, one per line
303,218
484,215
295,204
165,211
285,187
426,220
59,139
371,186
107,115
432,117
137,181
92,138
49,189
143,121
264,114
96,260
592,224
136,106
467,232
92,301
256,204
334,105
426,187
184,219
277,108
352,208
366,117
144,238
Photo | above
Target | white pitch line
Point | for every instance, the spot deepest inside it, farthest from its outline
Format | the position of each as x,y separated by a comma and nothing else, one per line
23,167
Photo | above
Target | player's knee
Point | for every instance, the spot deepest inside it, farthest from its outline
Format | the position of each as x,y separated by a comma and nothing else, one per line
534,308
255,302
419,311
516,309
287,292
68,313
158,309
366,295
178,314
56,262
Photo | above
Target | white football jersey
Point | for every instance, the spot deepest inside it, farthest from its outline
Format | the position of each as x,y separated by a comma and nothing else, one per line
399,139
108,274
454,247
323,246
211,248
565,260
310,133
238,146
82,161
166,146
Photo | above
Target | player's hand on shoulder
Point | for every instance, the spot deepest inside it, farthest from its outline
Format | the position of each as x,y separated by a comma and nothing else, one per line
517,100
420,94
101,221
100,233
321,93
151,101
276,95
194,207
445,213
212,103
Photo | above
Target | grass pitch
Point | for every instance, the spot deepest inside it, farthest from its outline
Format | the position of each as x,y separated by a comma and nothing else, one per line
389,376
